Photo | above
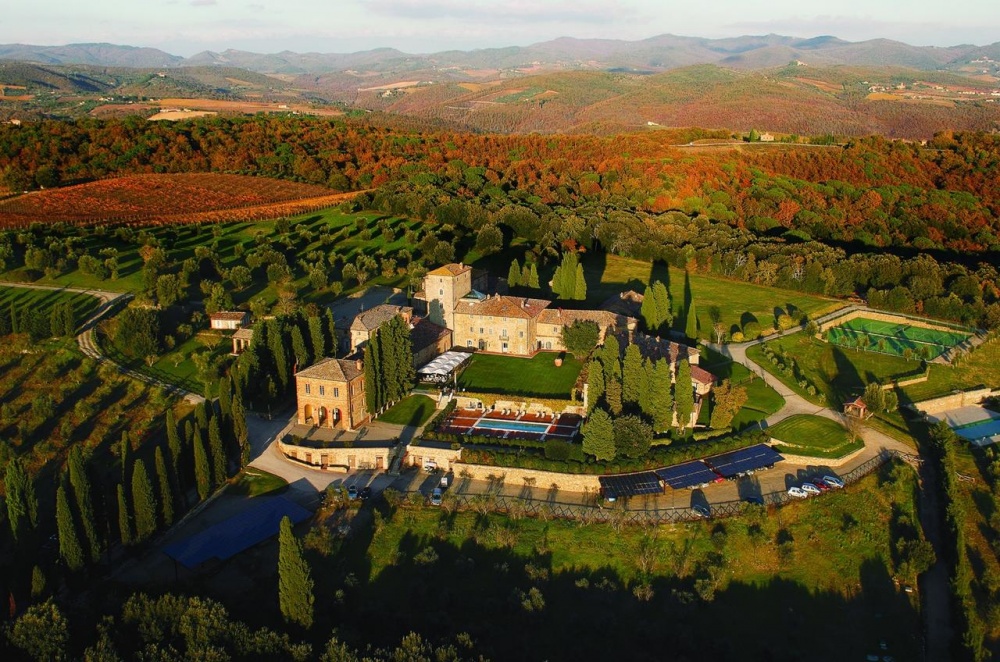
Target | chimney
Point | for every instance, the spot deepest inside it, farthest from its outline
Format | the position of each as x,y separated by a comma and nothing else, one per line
357,364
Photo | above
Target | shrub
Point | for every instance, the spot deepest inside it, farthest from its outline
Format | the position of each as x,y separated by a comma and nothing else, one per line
737,336
557,449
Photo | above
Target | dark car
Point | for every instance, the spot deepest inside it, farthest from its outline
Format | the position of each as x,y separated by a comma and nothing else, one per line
352,492
755,499
701,511
366,492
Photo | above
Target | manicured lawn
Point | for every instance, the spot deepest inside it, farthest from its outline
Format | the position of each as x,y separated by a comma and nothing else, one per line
510,375
813,435
414,410
608,275
762,400
255,482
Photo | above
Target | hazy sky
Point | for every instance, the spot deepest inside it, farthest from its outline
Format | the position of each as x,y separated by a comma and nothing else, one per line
185,27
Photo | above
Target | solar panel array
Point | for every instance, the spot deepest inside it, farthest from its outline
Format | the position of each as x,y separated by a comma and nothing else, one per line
688,474
740,461
627,485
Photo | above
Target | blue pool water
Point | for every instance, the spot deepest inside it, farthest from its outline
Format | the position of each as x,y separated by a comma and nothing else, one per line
512,426
979,430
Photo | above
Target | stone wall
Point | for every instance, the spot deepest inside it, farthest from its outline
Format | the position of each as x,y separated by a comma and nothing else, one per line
816,461
337,459
444,458
514,477
954,400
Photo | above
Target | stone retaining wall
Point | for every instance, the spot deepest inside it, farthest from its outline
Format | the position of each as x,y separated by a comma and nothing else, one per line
817,461
338,459
954,400
514,477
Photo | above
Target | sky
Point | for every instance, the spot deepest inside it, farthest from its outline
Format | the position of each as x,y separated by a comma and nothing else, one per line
185,27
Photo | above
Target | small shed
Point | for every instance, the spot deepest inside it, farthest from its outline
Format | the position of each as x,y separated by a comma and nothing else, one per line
229,320
856,408
241,339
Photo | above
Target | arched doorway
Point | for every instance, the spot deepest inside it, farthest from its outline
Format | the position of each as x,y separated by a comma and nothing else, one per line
307,414
322,415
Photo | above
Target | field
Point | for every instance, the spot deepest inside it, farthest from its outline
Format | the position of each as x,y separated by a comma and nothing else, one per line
813,436
737,301
828,563
414,410
177,198
895,339
508,375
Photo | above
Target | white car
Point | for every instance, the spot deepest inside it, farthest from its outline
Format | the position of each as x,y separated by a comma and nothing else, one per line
797,492
833,481
809,488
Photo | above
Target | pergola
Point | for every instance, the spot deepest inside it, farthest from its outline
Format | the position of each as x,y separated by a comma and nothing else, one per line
442,368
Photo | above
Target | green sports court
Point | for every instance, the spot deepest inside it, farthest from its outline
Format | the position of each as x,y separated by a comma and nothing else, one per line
895,338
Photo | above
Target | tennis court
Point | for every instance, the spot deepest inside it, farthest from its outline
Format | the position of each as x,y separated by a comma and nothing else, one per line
895,338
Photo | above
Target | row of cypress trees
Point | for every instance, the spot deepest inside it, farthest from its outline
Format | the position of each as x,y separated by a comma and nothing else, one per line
388,365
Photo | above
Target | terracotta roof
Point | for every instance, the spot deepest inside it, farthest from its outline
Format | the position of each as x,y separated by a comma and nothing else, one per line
373,318
244,333
425,332
503,306
334,370
562,317
452,269
702,376
229,315
662,348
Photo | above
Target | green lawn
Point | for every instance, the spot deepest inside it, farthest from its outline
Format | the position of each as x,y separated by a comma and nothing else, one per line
828,562
608,275
762,400
414,410
255,482
42,301
813,436
510,375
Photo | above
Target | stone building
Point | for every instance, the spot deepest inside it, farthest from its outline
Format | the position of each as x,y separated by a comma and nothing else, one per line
368,321
331,394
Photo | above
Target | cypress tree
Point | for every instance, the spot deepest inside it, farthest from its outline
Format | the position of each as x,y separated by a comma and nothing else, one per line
329,333
691,324
69,321
201,415
373,386
143,502
166,490
240,432
646,388
124,520
580,284
316,338
609,356
684,394
55,321
299,350
595,383
661,402
226,400
188,433
533,276
15,318
525,275
125,451
514,274
661,301
613,394
295,584
173,442
218,452
648,311
69,543
202,468
80,483
598,436
22,503
632,375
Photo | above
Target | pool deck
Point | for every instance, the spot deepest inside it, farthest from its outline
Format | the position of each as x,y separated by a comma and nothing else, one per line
467,421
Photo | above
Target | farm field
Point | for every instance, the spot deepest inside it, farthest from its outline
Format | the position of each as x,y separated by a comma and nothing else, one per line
813,436
509,375
172,198
737,301
42,301
828,562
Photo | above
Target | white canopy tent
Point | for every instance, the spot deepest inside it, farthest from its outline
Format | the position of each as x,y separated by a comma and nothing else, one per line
443,367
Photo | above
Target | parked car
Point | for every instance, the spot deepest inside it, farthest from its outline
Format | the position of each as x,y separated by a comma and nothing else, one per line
754,499
833,482
797,492
352,492
818,482
701,511
430,467
436,496
809,488
366,492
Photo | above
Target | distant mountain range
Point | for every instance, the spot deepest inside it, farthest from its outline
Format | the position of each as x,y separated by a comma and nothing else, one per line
652,55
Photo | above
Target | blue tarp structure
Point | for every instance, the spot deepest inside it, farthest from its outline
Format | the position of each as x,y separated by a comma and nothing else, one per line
230,537
627,485
743,460
688,474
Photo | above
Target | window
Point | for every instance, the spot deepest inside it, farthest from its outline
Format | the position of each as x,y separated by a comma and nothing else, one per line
480,330
336,392
441,293
472,329
322,390
307,389
548,345
468,343
521,334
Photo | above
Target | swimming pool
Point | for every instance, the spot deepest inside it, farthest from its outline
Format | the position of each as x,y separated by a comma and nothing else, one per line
512,426
979,430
